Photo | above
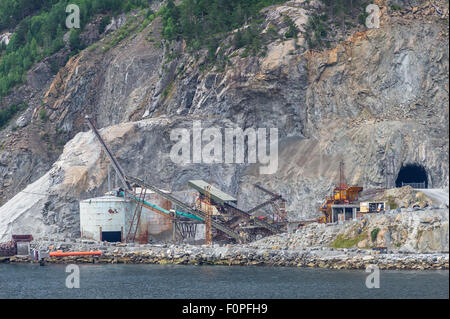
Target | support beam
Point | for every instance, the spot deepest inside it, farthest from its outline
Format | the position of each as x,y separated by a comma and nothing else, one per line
185,207
270,201
233,209
115,163
174,226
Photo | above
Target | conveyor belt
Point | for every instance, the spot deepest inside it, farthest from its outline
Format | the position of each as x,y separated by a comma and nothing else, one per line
159,210
247,216
185,207
126,180
270,201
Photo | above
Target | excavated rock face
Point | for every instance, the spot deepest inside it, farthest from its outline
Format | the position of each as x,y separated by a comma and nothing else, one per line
404,197
50,206
380,85
423,231
377,101
110,85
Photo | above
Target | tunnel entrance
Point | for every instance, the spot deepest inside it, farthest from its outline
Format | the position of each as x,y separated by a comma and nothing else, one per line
413,175
112,236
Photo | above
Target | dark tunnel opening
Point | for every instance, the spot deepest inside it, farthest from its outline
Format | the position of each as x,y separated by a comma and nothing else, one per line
112,236
414,175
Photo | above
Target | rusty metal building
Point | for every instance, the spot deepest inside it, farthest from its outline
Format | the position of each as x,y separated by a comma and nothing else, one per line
153,225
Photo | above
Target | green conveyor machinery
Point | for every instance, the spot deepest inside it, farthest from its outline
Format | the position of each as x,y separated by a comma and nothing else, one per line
162,210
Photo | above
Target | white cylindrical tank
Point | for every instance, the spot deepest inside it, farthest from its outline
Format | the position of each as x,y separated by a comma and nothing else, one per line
102,218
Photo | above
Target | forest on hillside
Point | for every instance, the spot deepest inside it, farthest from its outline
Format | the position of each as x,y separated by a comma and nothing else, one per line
38,28
41,34
203,23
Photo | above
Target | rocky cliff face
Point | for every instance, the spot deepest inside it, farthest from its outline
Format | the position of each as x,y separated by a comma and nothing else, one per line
377,100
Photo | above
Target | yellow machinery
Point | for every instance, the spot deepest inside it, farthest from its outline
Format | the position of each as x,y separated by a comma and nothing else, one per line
343,194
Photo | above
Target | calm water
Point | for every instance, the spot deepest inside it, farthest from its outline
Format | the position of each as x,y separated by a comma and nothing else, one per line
171,281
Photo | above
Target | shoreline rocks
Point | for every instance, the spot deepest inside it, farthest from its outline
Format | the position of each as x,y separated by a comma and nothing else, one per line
237,255
423,236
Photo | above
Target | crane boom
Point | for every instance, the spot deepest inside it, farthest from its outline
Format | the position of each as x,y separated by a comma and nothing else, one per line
127,180
116,164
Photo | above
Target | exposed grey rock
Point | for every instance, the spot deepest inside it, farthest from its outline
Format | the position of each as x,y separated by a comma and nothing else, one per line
423,231
116,23
4,38
376,101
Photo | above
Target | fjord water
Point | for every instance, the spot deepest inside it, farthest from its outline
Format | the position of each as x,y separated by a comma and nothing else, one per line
172,281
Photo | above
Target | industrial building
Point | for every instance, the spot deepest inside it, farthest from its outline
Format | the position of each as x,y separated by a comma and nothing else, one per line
19,245
145,216
140,212
342,213
344,205
105,218
347,212
110,218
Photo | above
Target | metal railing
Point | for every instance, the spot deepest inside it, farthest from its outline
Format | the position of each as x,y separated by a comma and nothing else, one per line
414,185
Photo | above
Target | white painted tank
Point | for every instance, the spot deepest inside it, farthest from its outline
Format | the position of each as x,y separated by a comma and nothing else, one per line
104,217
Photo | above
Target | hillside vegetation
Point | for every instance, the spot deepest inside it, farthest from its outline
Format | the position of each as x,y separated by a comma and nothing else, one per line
40,35
39,27
205,24
377,100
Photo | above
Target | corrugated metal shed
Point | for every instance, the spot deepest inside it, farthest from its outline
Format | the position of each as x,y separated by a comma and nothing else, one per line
216,194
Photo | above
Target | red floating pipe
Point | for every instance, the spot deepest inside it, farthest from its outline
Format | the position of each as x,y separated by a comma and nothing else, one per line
75,253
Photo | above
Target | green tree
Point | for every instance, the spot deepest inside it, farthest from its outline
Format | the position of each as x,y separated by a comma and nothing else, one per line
74,39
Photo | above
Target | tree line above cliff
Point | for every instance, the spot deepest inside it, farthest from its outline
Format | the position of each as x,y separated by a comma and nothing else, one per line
204,23
40,35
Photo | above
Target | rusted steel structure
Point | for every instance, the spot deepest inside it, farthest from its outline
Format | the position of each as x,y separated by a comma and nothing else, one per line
105,218
187,229
135,221
216,209
11,248
8,249
208,214
142,224
278,205
245,223
190,212
343,194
